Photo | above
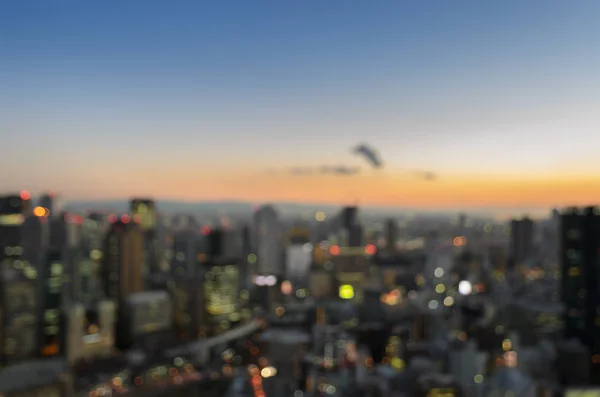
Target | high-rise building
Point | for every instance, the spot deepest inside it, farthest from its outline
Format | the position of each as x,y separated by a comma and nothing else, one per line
13,209
149,316
391,235
269,244
222,293
122,273
521,241
52,203
52,320
350,231
188,252
88,261
298,257
580,248
90,331
18,281
143,212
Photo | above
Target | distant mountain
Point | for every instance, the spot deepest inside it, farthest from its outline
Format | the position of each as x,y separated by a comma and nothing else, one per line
243,208
226,207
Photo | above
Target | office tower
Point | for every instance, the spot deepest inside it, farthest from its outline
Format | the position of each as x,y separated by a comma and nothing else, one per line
148,318
143,212
88,261
35,237
188,251
13,209
52,203
52,323
391,235
64,243
268,241
298,257
18,281
122,272
350,229
90,331
222,292
521,241
497,257
580,247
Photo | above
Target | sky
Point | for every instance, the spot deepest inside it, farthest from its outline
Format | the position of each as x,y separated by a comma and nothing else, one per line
199,100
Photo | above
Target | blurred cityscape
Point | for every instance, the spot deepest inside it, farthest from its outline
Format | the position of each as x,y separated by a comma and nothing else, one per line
325,303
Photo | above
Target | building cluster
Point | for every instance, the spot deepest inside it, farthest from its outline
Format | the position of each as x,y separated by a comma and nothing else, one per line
106,302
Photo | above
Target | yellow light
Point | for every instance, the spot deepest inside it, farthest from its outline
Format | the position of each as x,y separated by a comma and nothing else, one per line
506,345
420,280
346,292
320,216
448,301
39,211
440,288
398,363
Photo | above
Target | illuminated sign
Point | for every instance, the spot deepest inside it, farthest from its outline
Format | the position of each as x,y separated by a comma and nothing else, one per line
265,281
11,219
582,393
442,392
346,292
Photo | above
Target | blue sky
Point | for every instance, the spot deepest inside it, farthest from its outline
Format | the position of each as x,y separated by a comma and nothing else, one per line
452,86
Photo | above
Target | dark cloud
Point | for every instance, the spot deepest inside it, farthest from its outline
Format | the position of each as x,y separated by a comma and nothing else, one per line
425,175
339,170
369,154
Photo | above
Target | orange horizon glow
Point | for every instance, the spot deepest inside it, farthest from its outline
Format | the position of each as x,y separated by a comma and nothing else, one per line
384,189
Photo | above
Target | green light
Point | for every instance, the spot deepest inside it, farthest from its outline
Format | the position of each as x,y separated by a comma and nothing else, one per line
251,259
346,292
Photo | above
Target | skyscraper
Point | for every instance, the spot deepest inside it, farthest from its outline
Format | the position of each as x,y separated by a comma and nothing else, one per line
521,241
298,256
391,235
52,203
18,281
579,255
143,212
269,249
124,254
349,227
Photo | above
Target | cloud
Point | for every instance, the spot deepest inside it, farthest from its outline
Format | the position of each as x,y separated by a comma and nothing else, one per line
339,170
425,175
369,154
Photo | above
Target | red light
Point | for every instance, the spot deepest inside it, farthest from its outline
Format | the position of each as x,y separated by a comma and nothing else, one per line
112,218
78,219
370,249
334,250
25,195
125,218
205,230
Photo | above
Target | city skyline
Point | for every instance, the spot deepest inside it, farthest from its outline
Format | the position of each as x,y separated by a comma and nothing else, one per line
197,102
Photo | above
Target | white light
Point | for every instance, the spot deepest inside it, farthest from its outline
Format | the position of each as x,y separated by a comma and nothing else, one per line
448,301
433,305
438,272
307,247
268,372
465,287
265,281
